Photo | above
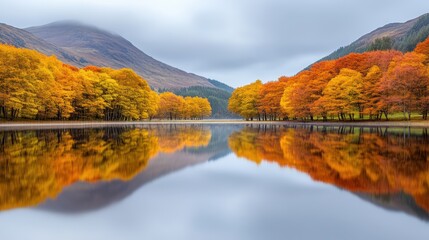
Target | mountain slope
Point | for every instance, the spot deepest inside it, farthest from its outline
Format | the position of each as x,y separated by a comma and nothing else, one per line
221,85
23,39
93,46
400,36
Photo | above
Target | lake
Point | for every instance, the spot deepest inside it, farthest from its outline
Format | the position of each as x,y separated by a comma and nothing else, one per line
215,181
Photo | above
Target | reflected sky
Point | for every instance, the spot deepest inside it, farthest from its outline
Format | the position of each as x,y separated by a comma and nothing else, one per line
182,195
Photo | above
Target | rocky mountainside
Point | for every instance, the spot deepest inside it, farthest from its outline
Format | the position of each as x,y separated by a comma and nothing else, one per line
400,36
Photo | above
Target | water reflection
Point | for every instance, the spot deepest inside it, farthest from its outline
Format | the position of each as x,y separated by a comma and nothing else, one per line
75,170
38,165
387,166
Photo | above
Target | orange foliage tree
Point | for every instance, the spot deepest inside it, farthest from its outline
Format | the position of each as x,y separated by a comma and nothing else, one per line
404,87
269,103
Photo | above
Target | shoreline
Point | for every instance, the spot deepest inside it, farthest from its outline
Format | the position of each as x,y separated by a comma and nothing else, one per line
34,125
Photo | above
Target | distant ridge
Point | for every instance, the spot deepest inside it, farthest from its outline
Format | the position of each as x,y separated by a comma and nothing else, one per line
399,36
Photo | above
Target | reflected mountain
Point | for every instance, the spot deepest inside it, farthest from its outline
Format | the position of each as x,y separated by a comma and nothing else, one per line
399,202
386,166
85,169
82,197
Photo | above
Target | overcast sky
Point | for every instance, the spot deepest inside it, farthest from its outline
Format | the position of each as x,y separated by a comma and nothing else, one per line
234,41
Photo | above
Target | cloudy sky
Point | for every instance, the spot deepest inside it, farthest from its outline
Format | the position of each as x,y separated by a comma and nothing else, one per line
234,41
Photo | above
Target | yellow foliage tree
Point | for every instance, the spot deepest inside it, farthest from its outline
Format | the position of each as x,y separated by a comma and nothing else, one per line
245,100
343,94
172,107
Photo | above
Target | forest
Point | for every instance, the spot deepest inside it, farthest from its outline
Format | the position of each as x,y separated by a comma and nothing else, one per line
35,86
372,85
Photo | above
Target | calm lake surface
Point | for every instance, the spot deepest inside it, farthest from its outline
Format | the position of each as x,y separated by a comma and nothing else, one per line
214,182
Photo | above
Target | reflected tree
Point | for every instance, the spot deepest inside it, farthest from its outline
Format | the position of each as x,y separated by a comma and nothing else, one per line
375,161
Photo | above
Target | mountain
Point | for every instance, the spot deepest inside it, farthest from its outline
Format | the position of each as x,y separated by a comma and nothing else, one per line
399,36
399,202
85,197
81,45
93,46
23,39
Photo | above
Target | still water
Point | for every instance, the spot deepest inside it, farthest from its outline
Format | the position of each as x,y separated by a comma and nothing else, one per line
214,182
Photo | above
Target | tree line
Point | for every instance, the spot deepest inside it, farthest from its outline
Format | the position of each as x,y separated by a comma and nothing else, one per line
371,85
35,86
218,99
179,107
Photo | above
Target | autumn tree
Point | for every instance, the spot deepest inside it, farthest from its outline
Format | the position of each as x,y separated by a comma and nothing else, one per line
343,94
19,82
270,96
370,92
405,85
170,105
65,89
90,103
423,48
245,100
203,108
153,105
133,95
304,89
